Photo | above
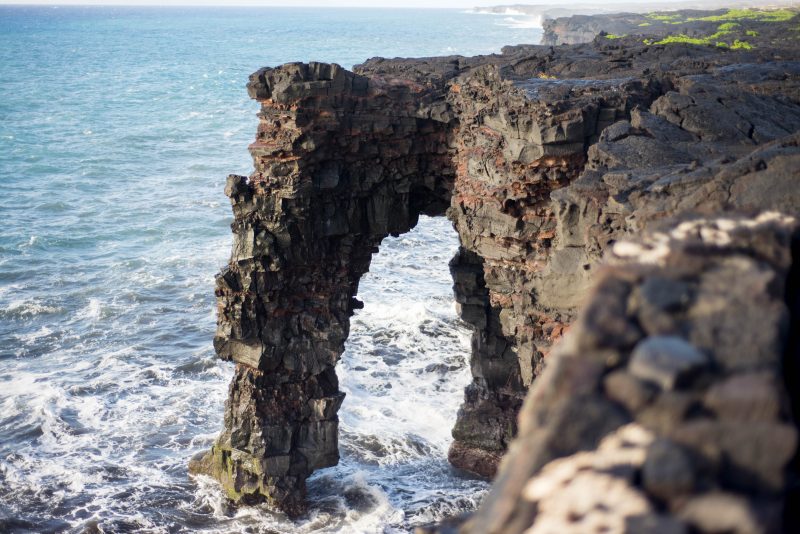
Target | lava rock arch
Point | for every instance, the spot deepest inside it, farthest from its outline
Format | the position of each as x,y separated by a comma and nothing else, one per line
343,159
341,162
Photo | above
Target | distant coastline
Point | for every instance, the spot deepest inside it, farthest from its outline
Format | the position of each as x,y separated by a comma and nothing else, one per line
534,15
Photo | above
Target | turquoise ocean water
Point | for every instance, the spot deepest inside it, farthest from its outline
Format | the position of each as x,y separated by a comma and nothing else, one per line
117,129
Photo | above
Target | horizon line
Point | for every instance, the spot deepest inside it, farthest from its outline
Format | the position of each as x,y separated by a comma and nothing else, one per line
225,5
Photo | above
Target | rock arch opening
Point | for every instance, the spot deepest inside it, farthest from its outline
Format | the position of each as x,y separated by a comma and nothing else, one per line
404,369
341,162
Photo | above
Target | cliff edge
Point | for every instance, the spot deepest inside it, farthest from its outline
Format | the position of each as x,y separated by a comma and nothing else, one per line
636,200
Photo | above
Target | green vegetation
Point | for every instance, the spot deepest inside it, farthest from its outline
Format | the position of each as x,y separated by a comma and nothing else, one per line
761,15
663,17
681,38
643,24
732,27
711,40
726,28
612,36
716,35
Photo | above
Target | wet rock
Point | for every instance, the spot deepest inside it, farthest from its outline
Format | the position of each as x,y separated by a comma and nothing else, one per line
476,460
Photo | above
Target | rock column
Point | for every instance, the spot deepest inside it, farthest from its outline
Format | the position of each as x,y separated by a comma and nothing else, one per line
340,163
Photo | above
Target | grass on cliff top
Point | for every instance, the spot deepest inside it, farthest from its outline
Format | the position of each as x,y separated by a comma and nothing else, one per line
663,17
760,15
711,40
715,39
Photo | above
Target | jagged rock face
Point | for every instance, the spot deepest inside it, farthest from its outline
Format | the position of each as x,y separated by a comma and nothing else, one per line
686,331
540,178
682,339
512,151
341,162
577,29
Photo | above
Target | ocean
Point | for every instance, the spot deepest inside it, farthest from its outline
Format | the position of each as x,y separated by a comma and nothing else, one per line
118,126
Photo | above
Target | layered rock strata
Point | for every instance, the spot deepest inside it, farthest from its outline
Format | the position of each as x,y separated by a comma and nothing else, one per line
544,159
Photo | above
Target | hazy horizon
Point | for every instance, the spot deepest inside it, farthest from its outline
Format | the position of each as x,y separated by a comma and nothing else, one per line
429,4
411,4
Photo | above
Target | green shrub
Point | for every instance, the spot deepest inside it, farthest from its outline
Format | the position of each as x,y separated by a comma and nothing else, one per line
662,17
680,38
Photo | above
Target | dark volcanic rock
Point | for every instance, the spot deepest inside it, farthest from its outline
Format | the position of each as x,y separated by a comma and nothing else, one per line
650,187
674,448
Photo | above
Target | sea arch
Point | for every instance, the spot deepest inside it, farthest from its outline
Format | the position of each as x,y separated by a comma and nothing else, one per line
342,160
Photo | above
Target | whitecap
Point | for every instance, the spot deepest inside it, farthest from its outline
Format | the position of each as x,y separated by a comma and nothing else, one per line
28,308
530,22
92,311
31,337
7,288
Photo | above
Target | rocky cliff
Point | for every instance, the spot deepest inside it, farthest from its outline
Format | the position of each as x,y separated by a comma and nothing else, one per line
725,28
547,161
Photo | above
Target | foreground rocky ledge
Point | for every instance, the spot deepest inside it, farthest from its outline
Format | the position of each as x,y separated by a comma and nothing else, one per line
544,159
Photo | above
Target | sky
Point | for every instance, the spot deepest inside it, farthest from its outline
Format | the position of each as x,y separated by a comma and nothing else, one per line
453,4
461,4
